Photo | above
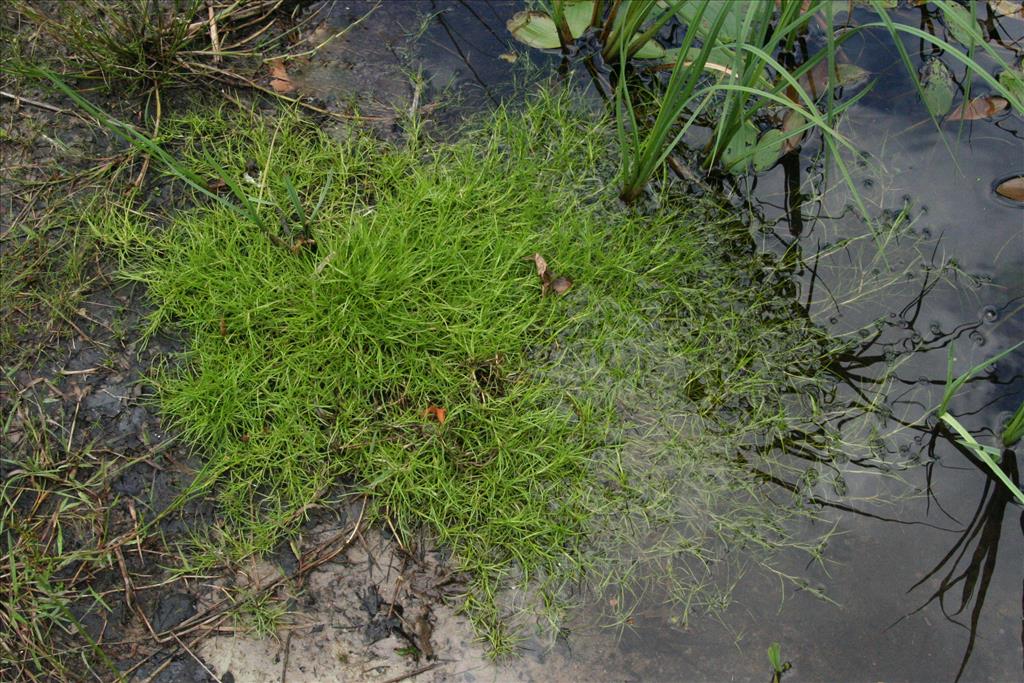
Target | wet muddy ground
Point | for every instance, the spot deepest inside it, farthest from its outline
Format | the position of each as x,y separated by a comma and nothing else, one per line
357,603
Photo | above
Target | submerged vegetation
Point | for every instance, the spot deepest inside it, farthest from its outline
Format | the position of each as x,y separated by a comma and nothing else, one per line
389,328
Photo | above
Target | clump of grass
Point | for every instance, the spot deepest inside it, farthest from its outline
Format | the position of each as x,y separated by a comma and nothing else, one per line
621,432
140,45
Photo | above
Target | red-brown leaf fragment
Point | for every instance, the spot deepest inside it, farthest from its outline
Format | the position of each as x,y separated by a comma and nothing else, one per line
436,412
979,108
279,80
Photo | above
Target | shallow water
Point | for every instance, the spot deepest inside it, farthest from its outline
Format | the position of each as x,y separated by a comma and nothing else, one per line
942,522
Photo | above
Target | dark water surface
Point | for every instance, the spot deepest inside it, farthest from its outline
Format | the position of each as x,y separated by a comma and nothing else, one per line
926,573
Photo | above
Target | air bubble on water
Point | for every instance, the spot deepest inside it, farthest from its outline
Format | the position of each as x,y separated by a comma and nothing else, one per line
926,233
977,338
904,324
833,320
935,329
916,338
989,314
890,355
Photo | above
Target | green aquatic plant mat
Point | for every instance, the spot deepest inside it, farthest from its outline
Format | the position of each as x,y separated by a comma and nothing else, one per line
483,340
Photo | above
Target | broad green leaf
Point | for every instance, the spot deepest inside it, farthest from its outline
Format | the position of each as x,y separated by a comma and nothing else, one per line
650,50
578,14
535,29
768,149
733,23
961,23
1013,81
937,87
740,148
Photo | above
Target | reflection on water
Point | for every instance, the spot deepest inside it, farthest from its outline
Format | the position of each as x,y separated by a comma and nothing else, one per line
926,567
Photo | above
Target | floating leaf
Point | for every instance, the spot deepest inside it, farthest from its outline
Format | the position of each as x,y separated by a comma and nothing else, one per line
535,29
279,80
816,83
768,149
737,153
538,29
962,24
1013,81
979,108
1012,188
1008,8
937,87
850,75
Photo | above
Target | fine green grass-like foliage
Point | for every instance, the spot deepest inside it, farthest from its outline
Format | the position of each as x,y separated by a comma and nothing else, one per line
623,431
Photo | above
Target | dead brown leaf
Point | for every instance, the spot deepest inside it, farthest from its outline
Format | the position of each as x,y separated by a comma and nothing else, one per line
561,285
793,120
509,57
1012,189
542,273
279,79
979,108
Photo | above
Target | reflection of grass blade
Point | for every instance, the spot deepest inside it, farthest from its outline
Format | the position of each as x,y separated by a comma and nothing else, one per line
1015,429
953,385
985,454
